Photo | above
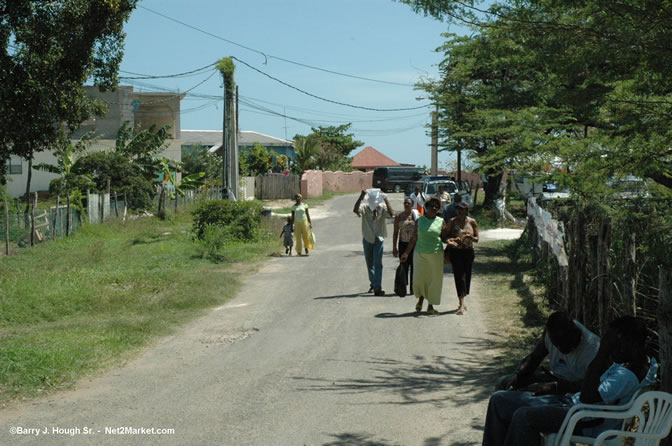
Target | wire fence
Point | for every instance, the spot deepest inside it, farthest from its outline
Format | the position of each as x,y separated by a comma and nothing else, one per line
48,220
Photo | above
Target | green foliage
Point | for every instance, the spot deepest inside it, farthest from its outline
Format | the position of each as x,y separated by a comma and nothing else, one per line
140,145
307,149
538,84
49,49
241,219
201,160
227,67
124,176
257,161
211,242
327,148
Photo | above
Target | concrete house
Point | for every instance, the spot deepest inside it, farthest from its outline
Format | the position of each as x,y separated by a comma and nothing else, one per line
124,104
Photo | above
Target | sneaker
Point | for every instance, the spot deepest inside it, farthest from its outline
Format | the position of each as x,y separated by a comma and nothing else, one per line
379,293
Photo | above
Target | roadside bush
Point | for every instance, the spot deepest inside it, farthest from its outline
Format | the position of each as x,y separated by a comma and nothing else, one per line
241,219
211,241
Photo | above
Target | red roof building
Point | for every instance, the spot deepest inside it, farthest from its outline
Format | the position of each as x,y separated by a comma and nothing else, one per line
369,158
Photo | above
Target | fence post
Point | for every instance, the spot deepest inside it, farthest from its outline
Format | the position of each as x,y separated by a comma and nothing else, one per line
58,215
125,208
116,211
604,274
6,228
665,325
67,215
32,221
630,276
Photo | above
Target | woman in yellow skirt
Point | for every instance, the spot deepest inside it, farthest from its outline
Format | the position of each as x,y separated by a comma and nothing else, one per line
427,247
302,225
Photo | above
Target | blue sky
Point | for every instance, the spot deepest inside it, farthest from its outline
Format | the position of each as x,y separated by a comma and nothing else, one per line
377,39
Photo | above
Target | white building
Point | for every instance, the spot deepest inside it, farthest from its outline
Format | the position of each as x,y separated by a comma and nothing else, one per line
124,104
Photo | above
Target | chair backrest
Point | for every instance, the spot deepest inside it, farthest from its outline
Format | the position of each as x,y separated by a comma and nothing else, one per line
656,419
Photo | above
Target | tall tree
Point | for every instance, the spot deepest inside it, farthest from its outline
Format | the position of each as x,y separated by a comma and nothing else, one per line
49,50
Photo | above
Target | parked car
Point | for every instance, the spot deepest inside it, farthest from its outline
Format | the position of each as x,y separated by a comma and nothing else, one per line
395,178
629,187
430,187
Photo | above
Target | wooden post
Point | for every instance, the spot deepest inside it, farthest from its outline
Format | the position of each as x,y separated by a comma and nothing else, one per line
665,326
67,215
604,274
58,215
6,228
125,207
630,276
176,195
32,221
579,267
116,211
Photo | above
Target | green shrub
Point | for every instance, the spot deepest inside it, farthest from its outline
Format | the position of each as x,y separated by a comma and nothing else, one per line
241,219
211,241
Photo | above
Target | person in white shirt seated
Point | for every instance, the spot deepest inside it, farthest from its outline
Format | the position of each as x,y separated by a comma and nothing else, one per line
620,368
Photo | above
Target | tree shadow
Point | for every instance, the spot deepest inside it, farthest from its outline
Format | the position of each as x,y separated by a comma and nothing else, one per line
365,439
412,314
346,296
356,439
422,380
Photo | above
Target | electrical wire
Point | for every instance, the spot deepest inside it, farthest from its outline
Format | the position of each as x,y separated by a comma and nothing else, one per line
167,76
329,100
269,56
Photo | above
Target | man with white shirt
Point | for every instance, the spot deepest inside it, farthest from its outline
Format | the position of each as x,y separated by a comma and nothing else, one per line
374,231
418,199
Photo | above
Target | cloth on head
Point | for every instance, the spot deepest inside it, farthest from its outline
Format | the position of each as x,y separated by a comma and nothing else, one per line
374,198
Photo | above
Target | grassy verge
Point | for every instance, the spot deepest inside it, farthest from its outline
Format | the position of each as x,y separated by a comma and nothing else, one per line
76,305
514,304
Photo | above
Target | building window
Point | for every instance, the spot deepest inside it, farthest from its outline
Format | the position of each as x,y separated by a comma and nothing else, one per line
14,166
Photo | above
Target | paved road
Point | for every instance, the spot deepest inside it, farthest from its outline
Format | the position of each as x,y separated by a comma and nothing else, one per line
301,357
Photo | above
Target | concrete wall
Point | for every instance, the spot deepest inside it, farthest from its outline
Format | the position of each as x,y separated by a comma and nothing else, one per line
16,185
311,183
314,182
347,181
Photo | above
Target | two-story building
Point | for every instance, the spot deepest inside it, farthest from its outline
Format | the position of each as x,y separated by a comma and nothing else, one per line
124,104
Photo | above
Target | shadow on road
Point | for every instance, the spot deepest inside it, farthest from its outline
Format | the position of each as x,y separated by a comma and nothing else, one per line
363,439
434,380
346,296
356,439
412,314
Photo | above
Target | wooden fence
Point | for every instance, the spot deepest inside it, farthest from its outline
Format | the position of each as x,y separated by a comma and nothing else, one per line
612,266
274,187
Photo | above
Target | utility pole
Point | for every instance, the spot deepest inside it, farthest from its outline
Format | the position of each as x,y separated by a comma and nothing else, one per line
229,133
459,165
435,141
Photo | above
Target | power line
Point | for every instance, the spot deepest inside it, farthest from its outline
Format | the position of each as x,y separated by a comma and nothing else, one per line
329,100
150,76
269,56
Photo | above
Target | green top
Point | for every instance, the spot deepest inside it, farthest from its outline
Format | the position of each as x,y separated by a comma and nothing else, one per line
300,212
429,235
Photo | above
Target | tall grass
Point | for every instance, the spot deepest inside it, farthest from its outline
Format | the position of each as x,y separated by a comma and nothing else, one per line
78,304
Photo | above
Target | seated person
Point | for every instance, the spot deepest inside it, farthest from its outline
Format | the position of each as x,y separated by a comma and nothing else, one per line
619,369
570,347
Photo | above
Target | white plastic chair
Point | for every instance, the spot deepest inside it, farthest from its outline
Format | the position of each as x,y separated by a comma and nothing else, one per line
651,428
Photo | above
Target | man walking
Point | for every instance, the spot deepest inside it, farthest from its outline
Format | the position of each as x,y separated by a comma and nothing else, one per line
374,231
450,211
